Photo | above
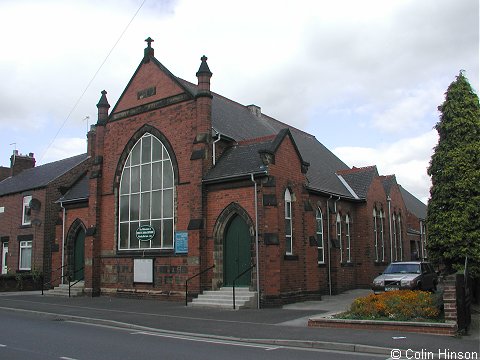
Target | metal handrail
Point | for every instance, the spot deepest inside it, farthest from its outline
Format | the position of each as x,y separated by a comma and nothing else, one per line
76,281
238,276
190,278
57,278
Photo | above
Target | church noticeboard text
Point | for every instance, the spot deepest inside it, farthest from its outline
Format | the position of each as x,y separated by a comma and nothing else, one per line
181,242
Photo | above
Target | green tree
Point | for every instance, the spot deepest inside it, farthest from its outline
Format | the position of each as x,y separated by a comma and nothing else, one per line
454,207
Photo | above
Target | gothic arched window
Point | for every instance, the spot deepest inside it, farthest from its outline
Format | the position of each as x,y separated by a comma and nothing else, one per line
146,196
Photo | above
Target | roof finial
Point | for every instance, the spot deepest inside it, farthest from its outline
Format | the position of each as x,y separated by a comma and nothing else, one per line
148,52
204,69
149,41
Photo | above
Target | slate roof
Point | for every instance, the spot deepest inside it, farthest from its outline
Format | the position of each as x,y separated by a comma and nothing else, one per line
414,205
388,181
239,123
359,179
39,176
78,192
239,160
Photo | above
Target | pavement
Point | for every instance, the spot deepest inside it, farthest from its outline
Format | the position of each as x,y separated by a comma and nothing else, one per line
285,326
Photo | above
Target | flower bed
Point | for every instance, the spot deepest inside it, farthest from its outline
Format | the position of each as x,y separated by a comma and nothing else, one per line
402,310
400,305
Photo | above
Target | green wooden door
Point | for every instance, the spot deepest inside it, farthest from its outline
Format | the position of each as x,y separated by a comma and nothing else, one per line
79,256
236,251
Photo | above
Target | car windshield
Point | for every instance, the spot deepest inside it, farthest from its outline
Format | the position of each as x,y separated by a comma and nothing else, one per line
402,269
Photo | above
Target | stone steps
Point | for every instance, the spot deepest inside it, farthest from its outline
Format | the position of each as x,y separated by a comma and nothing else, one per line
223,298
62,290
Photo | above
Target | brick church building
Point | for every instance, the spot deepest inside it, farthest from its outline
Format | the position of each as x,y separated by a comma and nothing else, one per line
180,181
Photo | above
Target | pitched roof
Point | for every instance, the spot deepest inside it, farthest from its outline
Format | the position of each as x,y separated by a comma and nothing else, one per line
239,123
415,206
39,176
237,161
359,179
78,192
388,181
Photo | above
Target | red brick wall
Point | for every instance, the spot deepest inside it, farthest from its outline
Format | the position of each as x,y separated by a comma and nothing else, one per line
11,227
181,125
44,233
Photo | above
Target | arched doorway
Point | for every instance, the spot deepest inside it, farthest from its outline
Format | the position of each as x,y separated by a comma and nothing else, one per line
75,248
237,253
79,255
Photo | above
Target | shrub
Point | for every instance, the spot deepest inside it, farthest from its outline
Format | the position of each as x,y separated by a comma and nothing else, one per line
400,305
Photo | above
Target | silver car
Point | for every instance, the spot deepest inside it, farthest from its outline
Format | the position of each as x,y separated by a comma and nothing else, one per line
411,275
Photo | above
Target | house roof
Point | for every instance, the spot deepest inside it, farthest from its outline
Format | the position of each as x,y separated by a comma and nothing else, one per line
413,204
39,176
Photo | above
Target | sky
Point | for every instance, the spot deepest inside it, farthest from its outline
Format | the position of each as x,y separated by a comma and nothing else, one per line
365,77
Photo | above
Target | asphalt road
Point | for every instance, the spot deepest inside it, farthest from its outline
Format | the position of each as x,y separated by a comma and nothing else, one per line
29,336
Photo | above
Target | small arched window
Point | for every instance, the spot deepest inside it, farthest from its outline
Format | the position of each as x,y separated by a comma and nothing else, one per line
348,245
320,242
339,235
288,223
146,196
382,235
395,243
400,240
375,234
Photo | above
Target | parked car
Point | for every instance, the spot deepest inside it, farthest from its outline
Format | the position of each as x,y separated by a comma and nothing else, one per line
411,275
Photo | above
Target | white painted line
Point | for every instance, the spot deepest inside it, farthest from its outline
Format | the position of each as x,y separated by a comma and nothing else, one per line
210,341
67,358
2,345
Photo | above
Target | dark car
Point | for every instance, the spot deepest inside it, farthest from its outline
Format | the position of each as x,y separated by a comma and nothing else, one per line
411,275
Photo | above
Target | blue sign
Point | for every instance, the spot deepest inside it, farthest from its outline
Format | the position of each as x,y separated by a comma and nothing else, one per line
181,242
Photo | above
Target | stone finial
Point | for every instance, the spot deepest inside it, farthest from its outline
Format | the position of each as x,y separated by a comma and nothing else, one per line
148,52
103,107
204,69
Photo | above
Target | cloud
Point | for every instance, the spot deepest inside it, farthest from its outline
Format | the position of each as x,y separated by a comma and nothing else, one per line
63,148
407,158
408,110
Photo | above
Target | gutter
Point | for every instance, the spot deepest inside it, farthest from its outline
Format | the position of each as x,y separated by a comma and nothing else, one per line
389,201
329,246
257,262
63,238
333,194
213,147
233,177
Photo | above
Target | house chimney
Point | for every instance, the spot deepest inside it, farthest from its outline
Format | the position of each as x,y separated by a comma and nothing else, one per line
255,110
19,162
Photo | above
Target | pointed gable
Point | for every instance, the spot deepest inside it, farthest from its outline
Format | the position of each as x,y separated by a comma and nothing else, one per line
155,83
152,85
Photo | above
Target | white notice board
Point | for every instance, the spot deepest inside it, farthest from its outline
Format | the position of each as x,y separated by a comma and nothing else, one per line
143,270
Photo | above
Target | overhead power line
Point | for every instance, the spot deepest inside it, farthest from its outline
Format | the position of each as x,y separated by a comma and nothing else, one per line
92,79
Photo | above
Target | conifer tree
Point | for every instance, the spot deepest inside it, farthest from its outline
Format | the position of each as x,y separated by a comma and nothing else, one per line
454,207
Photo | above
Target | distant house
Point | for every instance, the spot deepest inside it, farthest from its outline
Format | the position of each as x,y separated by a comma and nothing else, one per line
28,212
183,181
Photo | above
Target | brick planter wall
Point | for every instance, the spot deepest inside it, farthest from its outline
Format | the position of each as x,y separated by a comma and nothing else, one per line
449,328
